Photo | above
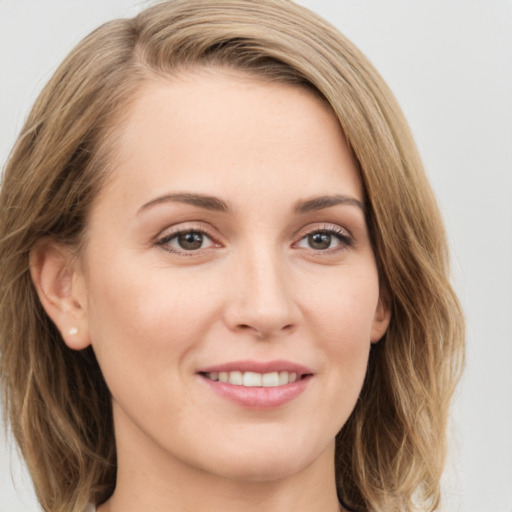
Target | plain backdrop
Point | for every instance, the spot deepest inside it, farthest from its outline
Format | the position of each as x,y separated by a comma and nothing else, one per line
449,62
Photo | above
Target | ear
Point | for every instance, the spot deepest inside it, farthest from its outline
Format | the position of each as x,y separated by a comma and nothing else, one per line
381,318
61,288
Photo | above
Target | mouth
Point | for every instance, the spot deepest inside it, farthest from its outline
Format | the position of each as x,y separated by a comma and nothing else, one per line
258,385
255,379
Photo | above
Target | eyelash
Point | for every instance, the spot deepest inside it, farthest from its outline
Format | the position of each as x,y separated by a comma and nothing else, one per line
164,241
344,238
342,235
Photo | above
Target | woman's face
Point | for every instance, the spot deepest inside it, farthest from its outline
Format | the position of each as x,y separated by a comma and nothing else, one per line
229,288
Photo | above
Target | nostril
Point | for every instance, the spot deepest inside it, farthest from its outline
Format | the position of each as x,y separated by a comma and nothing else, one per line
266,324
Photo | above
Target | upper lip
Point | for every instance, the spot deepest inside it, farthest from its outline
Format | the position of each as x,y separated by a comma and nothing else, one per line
279,365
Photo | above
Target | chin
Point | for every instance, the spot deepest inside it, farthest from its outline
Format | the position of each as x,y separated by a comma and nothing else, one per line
267,462
270,470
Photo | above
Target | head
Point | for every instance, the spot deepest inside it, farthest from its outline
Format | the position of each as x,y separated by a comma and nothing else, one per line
55,395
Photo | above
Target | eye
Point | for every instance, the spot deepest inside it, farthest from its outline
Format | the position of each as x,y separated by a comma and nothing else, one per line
189,240
325,239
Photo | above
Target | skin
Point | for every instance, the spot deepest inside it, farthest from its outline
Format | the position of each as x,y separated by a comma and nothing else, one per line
257,288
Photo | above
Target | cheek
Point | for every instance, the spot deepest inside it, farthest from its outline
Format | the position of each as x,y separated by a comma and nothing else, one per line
343,326
149,316
345,307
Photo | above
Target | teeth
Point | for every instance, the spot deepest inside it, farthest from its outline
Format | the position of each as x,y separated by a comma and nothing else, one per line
236,378
253,379
270,380
250,380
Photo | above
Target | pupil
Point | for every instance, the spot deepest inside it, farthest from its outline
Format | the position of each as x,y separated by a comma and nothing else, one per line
319,240
190,241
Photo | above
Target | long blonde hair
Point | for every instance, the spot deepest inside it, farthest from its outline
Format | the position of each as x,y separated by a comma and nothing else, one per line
390,453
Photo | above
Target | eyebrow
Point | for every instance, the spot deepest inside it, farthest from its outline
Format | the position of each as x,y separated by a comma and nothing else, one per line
202,201
218,205
323,202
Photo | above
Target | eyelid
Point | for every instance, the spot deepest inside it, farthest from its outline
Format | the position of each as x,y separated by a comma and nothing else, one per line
323,226
165,235
163,238
343,235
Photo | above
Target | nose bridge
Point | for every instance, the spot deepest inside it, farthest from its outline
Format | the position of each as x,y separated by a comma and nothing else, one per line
262,301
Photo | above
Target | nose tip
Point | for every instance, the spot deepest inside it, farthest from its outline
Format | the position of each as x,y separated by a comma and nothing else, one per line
262,302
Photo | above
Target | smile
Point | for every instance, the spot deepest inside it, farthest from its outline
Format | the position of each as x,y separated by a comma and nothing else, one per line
254,379
258,385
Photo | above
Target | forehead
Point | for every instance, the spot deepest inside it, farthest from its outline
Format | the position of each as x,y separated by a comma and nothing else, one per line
223,132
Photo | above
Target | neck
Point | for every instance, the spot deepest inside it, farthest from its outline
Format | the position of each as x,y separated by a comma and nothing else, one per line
214,495
150,479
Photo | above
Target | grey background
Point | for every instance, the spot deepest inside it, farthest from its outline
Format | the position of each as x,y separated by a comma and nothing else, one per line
449,63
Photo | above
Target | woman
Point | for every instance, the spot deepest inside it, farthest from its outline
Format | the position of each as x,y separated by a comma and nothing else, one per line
223,270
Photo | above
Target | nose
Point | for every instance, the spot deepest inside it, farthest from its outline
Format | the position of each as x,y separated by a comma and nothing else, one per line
262,301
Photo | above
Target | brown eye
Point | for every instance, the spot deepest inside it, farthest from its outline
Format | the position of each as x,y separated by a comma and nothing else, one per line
326,239
186,241
320,240
190,241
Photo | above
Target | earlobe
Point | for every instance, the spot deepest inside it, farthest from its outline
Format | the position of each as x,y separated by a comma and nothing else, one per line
381,318
59,285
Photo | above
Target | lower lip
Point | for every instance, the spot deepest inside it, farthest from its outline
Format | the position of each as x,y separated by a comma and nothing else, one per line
259,397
